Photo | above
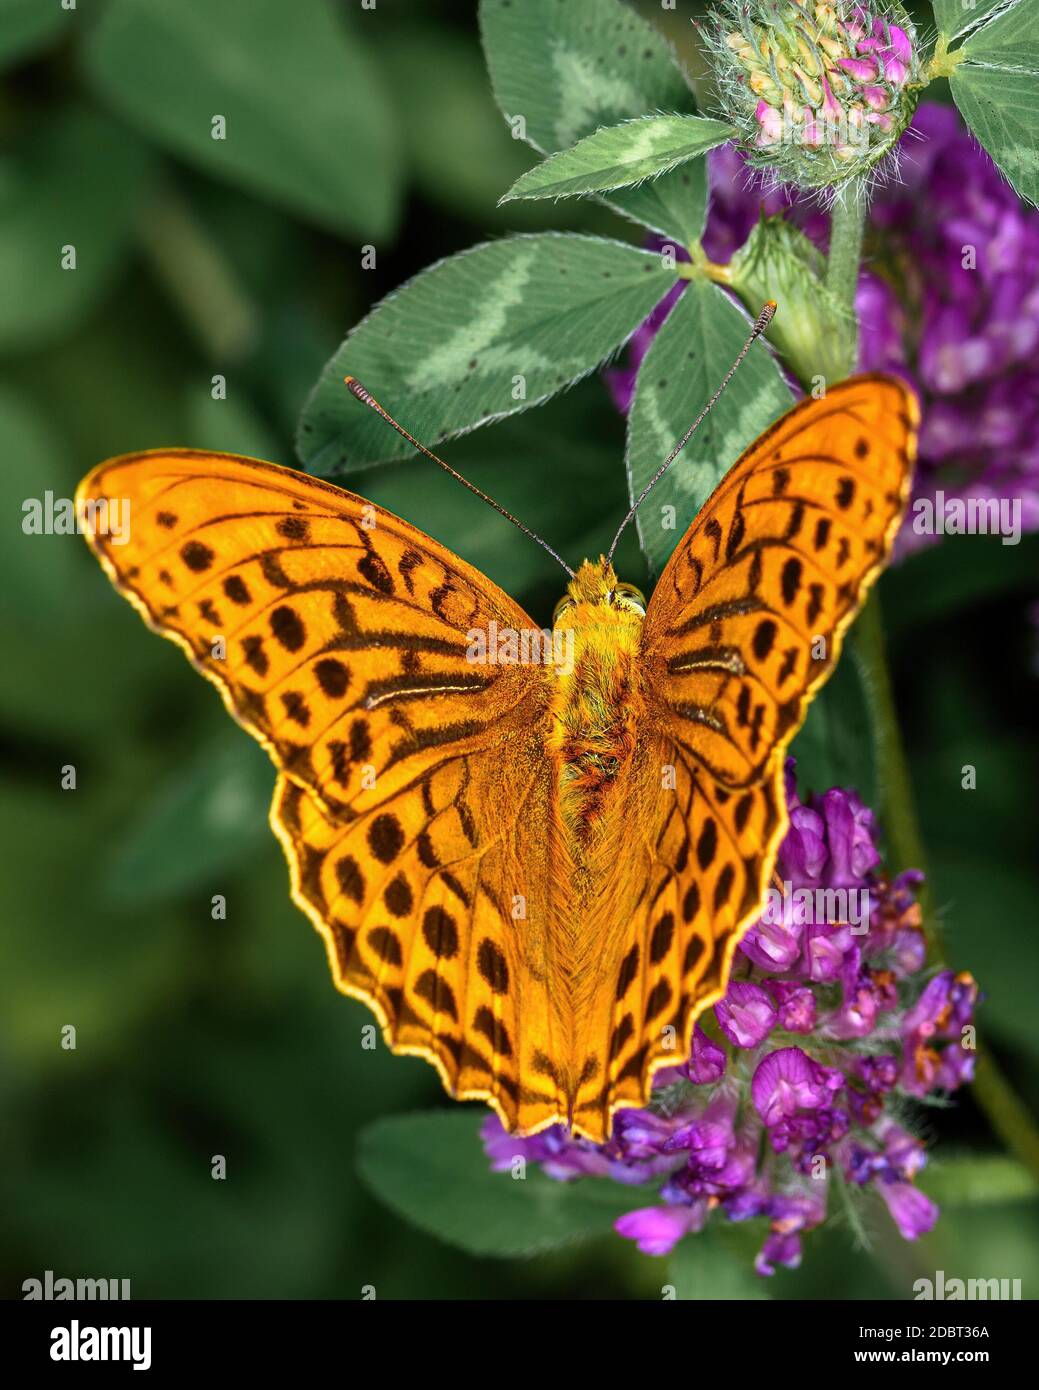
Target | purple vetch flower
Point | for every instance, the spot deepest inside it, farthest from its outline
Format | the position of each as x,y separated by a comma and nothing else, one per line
953,307
789,1215
942,1013
795,1003
795,1074
707,1062
912,1211
788,1081
775,945
747,1013
659,1229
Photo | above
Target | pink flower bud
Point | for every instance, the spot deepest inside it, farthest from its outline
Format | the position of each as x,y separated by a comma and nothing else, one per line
771,123
900,43
865,69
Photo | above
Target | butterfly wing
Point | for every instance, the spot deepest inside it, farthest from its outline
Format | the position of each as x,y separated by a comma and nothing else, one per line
744,625
413,780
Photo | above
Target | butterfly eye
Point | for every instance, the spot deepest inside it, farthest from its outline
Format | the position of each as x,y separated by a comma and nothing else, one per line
627,596
565,603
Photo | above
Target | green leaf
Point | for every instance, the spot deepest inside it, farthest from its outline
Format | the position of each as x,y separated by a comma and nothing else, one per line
1002,109
26,26
479,336
567,69
75,181
432,1170
716,1264
681,371
955,17
207,819
675,204
978,1182
307,122
1011,40
621,155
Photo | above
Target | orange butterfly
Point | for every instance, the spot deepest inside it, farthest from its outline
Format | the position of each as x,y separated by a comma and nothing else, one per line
536,873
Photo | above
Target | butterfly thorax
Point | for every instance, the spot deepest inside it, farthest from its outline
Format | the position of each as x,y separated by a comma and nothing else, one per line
596,696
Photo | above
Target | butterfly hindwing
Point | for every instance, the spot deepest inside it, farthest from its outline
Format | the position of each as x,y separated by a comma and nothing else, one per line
698,862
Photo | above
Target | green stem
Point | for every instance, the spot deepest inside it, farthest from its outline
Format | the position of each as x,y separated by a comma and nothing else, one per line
1005,1111
847,231
896,803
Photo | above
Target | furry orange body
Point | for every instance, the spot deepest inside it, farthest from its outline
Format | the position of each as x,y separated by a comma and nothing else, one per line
595,706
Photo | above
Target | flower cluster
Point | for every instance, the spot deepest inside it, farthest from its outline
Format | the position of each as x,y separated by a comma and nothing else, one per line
950,302
818,89
799,1078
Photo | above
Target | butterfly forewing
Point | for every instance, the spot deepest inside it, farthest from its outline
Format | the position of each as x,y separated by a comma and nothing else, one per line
743,626
414,781
747,618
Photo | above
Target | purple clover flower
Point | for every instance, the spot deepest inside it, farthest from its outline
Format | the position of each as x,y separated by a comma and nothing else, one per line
950,302
793,1075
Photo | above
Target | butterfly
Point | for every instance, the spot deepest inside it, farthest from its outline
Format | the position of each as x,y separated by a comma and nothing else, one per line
535,872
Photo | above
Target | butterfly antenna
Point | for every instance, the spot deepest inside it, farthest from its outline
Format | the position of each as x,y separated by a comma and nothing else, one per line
763,321
363,394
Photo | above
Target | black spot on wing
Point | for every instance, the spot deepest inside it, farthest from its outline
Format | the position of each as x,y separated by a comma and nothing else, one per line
196,556
288,628
492,966
385,838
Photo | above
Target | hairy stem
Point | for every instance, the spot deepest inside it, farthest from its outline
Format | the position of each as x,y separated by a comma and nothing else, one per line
847,230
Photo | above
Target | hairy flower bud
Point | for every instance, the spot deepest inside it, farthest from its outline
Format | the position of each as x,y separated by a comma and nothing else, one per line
813,334
818,89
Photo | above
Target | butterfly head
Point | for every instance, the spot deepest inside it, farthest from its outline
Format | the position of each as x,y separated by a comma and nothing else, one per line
596,584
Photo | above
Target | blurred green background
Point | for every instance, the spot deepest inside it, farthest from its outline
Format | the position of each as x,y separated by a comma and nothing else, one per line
359,128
